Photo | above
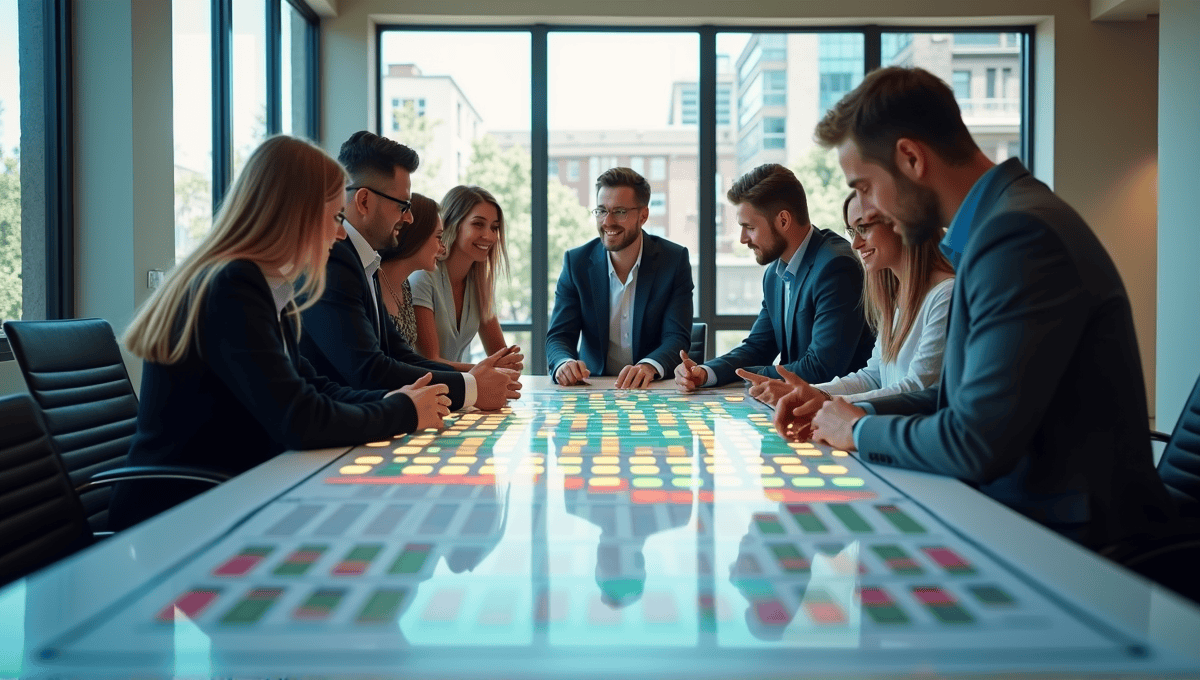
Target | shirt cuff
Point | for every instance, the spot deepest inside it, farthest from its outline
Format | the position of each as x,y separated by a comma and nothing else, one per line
858,423
712,376
657,366
470,390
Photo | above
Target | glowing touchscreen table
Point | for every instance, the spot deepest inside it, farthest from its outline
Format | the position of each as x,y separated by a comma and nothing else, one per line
595,532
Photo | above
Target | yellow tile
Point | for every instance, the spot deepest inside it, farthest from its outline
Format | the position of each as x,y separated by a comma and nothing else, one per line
606,469
369,460
418,469
354,469
454,470
644,469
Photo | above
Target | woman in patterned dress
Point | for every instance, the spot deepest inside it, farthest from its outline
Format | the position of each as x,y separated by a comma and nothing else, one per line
419,248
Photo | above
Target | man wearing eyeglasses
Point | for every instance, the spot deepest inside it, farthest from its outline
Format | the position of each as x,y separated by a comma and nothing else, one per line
811,318
348,336
623,305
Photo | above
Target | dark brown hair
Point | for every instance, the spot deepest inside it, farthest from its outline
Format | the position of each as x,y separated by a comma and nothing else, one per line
367,156
893,103
771,189
626,177
414,236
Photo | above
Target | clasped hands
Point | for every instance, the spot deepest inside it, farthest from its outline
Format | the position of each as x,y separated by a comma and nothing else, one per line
803,412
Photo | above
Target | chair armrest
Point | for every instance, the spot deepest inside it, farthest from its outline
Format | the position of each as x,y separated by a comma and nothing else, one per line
122,474
1157,436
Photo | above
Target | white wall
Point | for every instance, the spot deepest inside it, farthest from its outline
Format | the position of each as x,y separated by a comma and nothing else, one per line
1179,162
1095,124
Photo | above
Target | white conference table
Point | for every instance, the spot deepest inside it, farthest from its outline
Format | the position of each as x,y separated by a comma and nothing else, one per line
38,613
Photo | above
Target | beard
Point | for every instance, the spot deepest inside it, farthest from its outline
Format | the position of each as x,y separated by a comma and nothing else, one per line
769,252
623,240
918,215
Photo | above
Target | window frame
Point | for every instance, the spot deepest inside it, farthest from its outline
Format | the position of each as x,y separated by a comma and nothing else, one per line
707,160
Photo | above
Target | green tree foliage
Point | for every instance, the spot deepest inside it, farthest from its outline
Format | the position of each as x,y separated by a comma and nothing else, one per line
506,173
825,185
10,237
417,133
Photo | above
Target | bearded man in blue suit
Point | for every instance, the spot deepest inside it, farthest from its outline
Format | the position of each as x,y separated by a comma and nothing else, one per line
623,305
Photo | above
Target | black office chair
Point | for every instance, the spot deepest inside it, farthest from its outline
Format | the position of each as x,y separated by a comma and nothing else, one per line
75,372
699,342
1172,557
41,518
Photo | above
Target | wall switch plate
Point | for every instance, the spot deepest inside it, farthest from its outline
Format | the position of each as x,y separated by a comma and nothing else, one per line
154,278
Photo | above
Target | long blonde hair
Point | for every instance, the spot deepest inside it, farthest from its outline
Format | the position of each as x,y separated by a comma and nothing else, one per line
458,203
883,293
271,216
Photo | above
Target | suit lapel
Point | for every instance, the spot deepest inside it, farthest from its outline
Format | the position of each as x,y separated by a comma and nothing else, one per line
599,279
646,279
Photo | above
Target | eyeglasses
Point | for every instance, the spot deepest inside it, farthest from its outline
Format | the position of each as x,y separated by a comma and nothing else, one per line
861,229
340,218
617,213
405,206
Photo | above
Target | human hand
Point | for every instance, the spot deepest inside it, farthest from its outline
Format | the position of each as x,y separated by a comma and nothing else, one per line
512,359
495,386
767,390
636,376
571,372
794,413
689,376
834,423
430,401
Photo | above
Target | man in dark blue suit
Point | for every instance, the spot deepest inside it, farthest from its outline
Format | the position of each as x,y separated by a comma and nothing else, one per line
812,316
1041,403
627,293
347,335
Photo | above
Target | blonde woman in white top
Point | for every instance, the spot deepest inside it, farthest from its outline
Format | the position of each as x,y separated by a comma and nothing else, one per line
907,298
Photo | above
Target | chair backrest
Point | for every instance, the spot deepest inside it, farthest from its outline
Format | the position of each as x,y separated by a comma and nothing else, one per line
699,342
74,371
1179,466
41,518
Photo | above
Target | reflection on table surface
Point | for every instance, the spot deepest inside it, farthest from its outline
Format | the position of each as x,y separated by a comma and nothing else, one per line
588,530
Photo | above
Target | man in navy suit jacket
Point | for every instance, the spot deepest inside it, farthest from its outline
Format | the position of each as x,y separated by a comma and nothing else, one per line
628,293
812,316
347,335
1041,403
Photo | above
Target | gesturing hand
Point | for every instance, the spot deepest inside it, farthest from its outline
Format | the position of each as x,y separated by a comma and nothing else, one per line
512,359
571,372
636,376
430,401
834,423
495,385
688,376
794,413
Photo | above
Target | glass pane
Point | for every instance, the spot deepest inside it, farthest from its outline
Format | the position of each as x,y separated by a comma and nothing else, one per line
249,79
984,69
192,71
293,70
599,120
10,166
782,83
466,112
727,340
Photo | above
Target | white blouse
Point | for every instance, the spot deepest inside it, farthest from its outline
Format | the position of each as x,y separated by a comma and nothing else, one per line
433,291
919,362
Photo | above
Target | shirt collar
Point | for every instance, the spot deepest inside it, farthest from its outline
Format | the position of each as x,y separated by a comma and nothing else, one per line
282,290
793,265
370,258
955,241
636,263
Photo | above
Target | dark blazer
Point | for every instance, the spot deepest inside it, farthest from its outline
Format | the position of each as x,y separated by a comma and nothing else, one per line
830,335
662,306
342,340
1041,403
242,395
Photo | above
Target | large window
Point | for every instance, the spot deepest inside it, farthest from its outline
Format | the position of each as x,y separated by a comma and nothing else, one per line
10,165
264,83
690,109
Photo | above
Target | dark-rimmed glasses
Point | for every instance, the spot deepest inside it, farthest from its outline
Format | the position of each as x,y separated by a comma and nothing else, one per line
617,213
405,206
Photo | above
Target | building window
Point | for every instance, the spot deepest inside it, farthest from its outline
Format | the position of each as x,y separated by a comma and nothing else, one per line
658,168
962,85
573,170
10,167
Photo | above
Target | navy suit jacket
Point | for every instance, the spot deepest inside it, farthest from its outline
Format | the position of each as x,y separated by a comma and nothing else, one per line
662,306
241,395
342,335
1041,402
830,335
